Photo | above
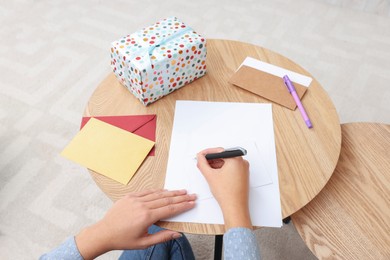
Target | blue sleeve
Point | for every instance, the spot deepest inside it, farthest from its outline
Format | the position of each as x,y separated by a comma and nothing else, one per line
66,251
240,243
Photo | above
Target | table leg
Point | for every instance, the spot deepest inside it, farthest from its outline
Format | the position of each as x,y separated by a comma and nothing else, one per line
287,220
218,247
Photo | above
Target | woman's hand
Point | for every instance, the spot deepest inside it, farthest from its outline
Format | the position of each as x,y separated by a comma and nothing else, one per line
125,225
229,182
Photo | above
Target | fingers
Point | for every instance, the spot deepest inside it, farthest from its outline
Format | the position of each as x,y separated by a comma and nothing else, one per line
246,163
212,150
203,165
216,163
172,209
162,194
165,201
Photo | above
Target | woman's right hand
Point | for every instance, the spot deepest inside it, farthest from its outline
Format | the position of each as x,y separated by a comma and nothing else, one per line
229,182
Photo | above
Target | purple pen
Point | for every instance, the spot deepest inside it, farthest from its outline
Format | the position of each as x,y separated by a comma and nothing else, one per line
293,92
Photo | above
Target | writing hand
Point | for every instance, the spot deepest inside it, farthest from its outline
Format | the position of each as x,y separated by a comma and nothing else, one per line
229,182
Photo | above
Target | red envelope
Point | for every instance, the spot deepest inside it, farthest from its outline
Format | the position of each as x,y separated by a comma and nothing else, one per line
142,125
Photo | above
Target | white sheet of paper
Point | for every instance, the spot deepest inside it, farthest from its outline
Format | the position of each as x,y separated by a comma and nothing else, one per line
199,125
277,71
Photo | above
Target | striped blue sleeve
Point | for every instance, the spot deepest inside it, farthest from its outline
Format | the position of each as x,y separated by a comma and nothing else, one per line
66,251
240,243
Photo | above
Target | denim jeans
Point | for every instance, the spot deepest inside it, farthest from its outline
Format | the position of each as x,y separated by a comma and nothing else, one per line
174,249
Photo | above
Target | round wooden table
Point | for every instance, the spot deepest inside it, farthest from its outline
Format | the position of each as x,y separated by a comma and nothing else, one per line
306,157
349,219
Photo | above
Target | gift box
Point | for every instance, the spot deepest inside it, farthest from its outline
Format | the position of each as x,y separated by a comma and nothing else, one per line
159,59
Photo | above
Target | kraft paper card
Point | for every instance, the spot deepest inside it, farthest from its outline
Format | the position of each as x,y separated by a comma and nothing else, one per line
142,125
266,85
108,150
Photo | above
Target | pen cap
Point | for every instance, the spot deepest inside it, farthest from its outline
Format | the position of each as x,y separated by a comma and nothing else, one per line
288,83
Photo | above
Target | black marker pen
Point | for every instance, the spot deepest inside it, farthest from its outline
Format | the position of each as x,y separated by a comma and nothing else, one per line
228,153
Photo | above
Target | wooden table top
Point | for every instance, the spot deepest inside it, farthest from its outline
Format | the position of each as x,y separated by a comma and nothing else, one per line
306,157
349,219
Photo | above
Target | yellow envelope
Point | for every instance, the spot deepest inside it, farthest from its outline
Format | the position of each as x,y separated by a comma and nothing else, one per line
108,150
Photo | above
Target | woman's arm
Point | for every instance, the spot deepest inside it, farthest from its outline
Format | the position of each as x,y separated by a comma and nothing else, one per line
125,225
229,182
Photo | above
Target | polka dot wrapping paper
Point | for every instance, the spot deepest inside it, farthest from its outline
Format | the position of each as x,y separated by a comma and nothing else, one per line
159,59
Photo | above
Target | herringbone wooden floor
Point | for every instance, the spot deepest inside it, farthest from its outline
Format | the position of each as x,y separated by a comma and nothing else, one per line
54,53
